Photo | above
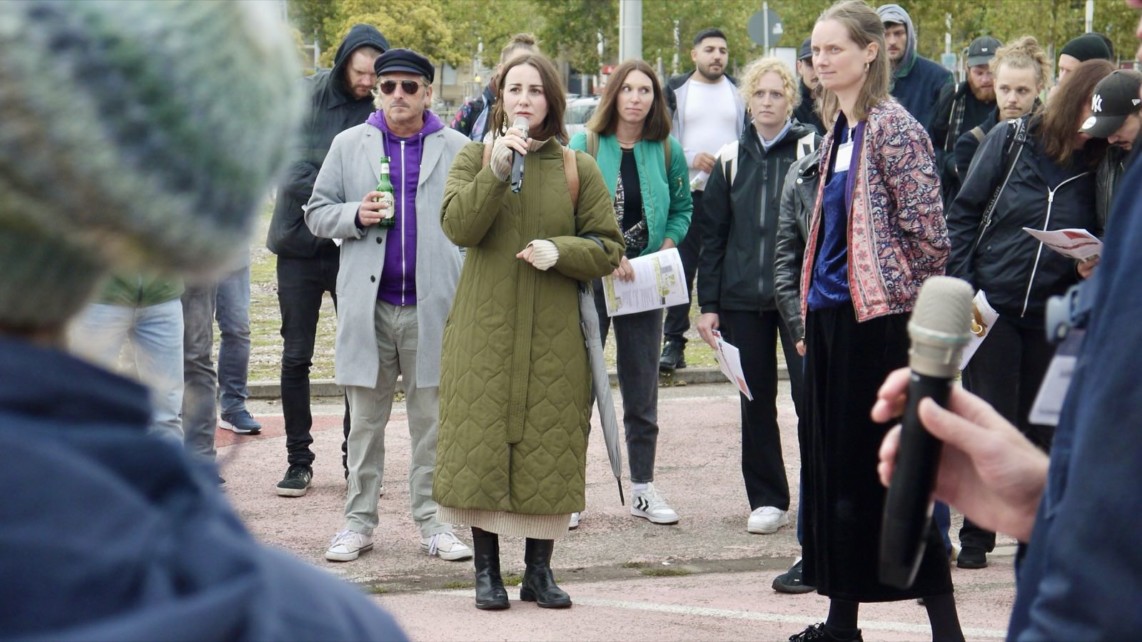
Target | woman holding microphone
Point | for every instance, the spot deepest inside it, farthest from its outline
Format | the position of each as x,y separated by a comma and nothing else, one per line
515,386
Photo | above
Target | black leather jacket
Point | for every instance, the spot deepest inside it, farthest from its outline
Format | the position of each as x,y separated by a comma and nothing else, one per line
798,196
735,271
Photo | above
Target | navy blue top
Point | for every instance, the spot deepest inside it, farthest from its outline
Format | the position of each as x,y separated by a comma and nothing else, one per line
132,539
829,286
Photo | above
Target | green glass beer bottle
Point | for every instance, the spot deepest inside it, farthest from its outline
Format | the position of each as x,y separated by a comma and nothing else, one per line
386,186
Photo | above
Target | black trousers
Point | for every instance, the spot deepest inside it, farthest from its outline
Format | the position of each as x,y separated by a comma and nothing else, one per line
301,285
763,468
1006,371
689,250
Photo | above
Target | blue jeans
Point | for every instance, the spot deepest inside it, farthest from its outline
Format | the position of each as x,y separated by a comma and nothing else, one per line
233,314
228,301
155,333
637,338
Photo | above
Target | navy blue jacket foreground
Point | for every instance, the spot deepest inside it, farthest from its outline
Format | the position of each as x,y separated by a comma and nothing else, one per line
1081,578
109,534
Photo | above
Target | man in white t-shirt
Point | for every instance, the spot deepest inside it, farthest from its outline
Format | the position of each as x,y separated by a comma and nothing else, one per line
707,113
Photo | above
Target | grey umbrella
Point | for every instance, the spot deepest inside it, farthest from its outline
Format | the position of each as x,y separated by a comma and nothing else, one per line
601,382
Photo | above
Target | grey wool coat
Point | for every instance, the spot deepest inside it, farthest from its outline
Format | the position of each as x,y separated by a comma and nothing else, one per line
349,172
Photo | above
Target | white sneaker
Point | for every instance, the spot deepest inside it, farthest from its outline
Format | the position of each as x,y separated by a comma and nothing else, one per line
348,545
446,547
574,523
767,519
652,506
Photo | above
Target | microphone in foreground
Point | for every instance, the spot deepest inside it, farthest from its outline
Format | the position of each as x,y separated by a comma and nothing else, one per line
939,328
517,158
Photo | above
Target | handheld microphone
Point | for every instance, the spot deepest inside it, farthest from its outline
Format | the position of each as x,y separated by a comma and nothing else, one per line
517,158
939,328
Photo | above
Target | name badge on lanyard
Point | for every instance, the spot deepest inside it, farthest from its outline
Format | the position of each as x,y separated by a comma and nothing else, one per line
844,157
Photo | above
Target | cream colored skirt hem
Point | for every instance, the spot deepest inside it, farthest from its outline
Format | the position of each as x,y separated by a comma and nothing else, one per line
505,523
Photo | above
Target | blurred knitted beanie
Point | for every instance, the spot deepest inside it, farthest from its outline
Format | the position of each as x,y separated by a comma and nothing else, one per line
133,135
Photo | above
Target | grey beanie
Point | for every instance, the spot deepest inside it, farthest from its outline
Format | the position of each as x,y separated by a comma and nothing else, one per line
133,135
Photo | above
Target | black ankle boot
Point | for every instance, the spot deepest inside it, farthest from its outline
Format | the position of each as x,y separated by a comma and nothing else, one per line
538,583
490,593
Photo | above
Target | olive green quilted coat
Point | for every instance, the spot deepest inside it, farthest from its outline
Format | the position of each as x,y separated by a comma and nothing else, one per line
515,384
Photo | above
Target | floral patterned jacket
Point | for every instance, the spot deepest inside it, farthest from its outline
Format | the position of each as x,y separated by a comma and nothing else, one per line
897,236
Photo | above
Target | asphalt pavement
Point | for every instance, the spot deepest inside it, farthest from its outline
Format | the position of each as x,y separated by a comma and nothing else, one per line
705,578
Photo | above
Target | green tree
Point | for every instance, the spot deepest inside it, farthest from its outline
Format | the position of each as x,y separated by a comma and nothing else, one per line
570,30
412,24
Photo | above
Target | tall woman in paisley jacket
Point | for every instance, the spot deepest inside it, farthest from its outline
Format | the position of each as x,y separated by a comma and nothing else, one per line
515,384
875,234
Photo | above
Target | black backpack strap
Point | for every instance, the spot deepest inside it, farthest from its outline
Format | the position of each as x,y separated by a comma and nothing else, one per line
1016,138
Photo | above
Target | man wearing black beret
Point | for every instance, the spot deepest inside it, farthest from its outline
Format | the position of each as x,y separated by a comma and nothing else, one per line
398,276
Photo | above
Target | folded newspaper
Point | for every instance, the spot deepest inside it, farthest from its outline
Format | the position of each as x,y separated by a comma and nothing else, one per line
658,283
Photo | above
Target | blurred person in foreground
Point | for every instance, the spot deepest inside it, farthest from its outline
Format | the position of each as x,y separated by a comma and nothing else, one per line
515,386
875,234
628,136
123,536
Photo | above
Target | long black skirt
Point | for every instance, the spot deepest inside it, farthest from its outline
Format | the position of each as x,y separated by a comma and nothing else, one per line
842,498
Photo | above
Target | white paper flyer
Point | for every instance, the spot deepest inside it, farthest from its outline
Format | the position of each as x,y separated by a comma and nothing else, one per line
658,283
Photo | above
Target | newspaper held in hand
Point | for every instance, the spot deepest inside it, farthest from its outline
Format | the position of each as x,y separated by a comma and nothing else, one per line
658,283
1073,243
730,362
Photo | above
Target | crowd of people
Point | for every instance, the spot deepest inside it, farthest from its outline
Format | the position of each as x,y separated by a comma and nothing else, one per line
808,205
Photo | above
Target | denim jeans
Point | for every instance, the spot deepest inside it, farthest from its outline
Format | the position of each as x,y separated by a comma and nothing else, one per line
228,301
689,250
396,328
100,332
637,340
198,409
301,285
232,312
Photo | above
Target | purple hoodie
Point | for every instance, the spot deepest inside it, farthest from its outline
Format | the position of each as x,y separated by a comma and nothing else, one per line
398,278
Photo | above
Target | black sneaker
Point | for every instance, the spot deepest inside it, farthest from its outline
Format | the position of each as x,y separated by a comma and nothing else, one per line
296,481
790,581
817,633
673,356
972,557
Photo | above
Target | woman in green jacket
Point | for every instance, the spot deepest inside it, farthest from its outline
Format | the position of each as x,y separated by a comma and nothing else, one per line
515,386
645,172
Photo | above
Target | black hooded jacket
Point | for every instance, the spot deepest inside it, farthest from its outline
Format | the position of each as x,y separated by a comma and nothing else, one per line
333,110
739,242
1015,271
